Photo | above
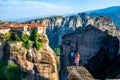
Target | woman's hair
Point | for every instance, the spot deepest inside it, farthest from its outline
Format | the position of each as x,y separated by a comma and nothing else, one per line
77,54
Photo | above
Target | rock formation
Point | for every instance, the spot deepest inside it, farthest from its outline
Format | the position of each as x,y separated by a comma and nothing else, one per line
71,73
39,65
57,26
98,51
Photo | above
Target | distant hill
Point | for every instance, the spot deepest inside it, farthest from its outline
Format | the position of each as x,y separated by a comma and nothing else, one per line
32,18
112,12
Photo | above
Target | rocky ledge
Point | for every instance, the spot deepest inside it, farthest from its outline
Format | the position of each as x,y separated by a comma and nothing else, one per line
71,73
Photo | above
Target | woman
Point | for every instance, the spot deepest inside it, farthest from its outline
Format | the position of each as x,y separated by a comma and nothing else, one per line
77,58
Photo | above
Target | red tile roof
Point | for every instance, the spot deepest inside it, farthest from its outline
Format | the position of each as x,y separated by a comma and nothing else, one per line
4,26
21,25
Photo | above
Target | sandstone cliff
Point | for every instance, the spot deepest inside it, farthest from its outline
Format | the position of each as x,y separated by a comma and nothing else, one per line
98,51
39,65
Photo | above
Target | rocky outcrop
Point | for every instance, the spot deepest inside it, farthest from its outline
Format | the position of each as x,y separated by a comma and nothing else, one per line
40,65
71,73
57,26
88,42
97,49
103,23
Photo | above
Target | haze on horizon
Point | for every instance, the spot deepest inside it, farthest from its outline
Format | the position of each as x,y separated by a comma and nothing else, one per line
15,9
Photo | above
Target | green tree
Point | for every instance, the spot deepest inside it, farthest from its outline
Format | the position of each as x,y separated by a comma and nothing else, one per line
38,44
6,36
14,37
27,44
11,36
25,37
34,35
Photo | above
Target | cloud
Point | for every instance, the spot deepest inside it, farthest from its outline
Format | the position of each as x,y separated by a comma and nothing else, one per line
21,9
33,4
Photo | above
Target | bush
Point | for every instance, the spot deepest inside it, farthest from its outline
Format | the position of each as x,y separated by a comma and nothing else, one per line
27,44
58,66
25,37
11,36
14,37
38,44
57,51
6,36
34,35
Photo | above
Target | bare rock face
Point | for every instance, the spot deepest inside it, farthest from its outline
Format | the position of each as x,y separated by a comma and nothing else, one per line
98,51
87,41
103,23
40,65
71,73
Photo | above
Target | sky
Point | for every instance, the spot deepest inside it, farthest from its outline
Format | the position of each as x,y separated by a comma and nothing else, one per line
15,9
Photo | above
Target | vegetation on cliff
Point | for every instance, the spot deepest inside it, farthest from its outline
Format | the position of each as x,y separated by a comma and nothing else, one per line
28,41
11,37
38,43
57,50
10,71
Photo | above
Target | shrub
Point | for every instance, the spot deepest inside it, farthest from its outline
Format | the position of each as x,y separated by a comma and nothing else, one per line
34,35
27,44
57,51
14,37
11,36
58,66
38,44
6,36
25,37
